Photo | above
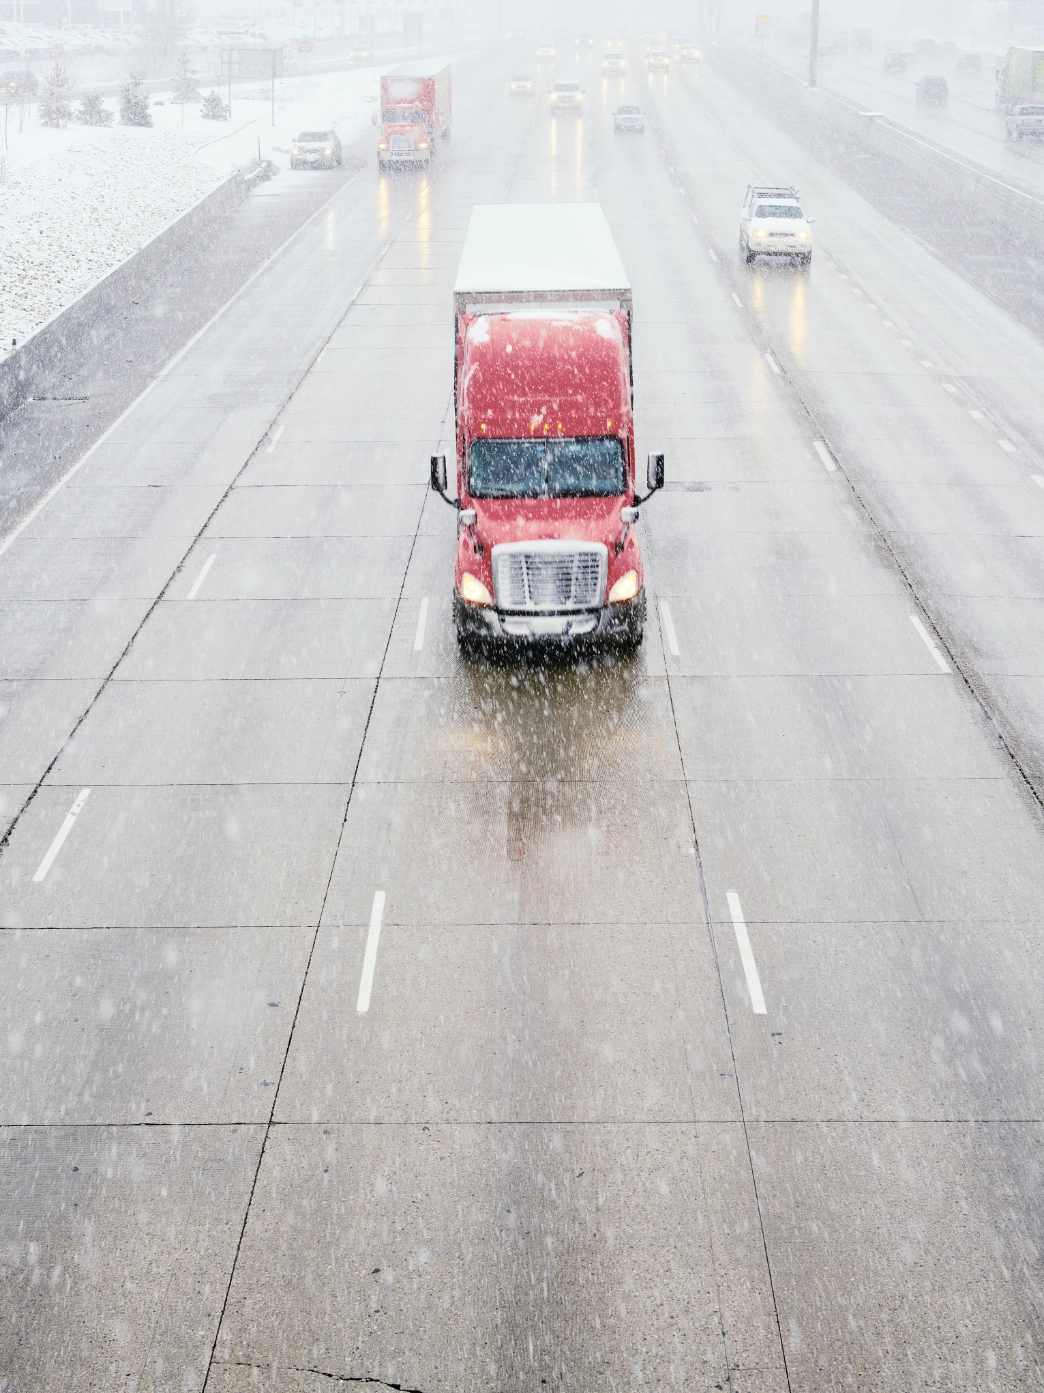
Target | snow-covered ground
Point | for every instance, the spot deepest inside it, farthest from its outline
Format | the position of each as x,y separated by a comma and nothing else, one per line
78,201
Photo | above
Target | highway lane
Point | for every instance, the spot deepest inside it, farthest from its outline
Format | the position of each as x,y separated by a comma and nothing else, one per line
970,124
559,1146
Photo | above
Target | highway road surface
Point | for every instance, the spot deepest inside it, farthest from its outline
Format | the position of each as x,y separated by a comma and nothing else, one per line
378,1015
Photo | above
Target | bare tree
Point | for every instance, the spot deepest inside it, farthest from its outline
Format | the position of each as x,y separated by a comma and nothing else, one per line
185,89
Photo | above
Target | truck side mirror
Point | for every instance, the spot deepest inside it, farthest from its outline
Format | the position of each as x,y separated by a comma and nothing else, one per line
438,473
373,118
654,473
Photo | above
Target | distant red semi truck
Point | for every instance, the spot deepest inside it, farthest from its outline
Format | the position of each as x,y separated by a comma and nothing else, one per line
546,468
415,115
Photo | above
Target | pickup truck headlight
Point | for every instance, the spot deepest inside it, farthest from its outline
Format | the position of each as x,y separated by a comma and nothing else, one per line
806,235
472,590
625,588
757,232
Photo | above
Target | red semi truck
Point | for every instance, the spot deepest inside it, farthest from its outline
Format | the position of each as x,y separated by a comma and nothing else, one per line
546,469
416,110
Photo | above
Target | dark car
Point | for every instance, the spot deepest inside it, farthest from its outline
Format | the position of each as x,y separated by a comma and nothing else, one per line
895,62
318,149
935,91
970,63
18,85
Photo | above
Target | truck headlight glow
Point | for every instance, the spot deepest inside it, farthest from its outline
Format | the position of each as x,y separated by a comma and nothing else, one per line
757,232
625,588
472,590
806,235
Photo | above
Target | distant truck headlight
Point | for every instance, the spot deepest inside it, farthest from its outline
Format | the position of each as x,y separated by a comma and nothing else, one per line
472,590
625,588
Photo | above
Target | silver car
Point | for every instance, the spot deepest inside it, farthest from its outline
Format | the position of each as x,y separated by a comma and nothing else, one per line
629,118
1023,121
567,97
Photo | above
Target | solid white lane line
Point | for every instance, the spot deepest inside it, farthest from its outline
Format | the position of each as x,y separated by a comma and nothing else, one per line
668,628
1007,445
772,363
275,436
713,254
737,299
370,956
422,619
824,454
1038,479
944,666
63,832
750,967
976,415
949,387
202,575
168,367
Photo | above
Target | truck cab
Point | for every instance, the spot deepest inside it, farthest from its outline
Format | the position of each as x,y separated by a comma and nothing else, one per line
547,501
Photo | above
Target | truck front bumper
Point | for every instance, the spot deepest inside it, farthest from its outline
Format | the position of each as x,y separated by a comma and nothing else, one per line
617,623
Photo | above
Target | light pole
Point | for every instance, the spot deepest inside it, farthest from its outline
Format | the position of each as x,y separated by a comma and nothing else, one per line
813,44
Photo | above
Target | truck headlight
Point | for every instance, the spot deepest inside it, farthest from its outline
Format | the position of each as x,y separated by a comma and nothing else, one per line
806,235
382,145
328,150
472,590
625,588
757,232
422,145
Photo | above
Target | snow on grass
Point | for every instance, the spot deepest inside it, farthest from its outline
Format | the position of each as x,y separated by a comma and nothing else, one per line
77,202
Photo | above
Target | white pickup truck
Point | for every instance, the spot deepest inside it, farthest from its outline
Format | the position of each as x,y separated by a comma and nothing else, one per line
772,224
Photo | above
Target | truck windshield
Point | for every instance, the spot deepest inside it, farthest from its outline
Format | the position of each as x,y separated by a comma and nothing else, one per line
589,467
402,115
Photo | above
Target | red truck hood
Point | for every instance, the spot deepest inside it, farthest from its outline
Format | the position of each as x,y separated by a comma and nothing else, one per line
547,519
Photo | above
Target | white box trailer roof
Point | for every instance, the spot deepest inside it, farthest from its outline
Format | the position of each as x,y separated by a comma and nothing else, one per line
539,253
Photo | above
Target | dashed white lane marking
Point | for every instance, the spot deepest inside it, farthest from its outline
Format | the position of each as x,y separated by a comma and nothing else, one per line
750,967
1007,445
772,363
737,299
886,323
322,355
668,628
824,454
856,290
949,387
202,576
944,666
927,363
63,832
370,956
870,306
695,219
713,254
278,432
422,619
906,343
976,415
1038,479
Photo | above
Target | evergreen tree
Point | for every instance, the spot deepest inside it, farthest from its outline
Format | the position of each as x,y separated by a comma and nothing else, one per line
92,112
214,109
54,105
134,104
185,89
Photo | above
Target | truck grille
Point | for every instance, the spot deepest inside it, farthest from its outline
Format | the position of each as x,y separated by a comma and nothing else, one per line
402,144
549,576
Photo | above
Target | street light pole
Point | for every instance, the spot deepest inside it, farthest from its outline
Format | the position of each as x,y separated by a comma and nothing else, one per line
813,45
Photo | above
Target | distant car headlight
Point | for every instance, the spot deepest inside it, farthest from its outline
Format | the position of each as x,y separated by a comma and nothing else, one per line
472,590
625,588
